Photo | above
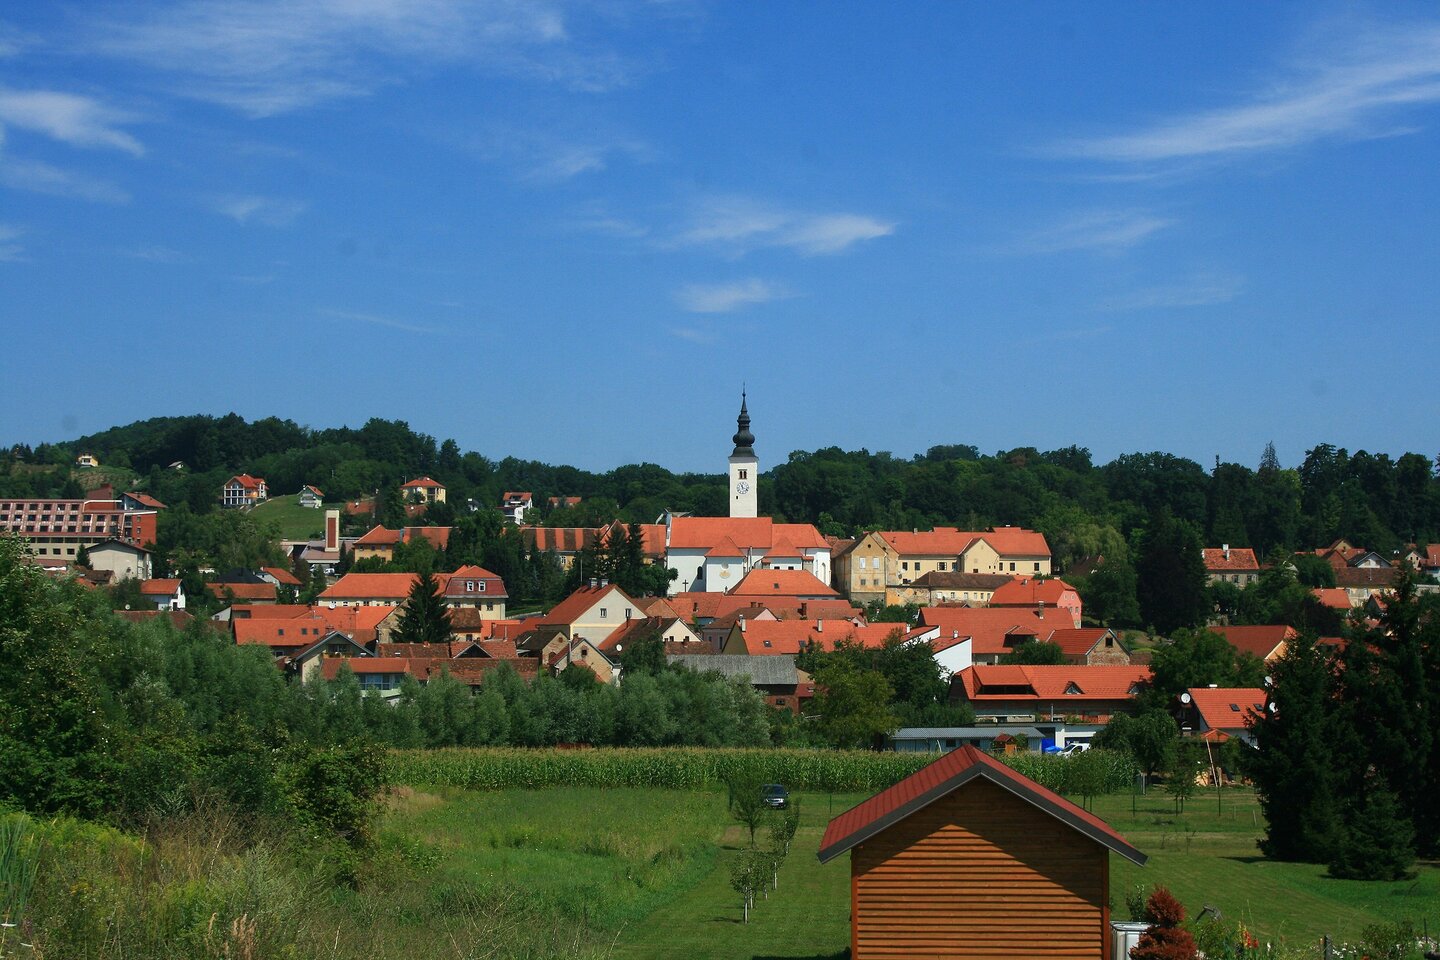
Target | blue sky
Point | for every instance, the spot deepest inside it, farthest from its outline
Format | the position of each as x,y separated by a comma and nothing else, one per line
570,232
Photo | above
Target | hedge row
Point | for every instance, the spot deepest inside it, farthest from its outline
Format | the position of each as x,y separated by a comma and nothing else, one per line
691,768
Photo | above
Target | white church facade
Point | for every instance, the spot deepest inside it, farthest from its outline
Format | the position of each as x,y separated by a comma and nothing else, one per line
713,554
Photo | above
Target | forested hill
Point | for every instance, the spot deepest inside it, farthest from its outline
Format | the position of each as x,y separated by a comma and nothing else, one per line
1084,508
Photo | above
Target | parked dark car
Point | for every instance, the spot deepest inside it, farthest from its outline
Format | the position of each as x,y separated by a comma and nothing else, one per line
775,796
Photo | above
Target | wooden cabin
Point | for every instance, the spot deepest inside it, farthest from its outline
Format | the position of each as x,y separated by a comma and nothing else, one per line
967,858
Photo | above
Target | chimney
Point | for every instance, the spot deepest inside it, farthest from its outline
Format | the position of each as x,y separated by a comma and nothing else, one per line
820,625
332,530
1226,548
742,623
604,582
594,583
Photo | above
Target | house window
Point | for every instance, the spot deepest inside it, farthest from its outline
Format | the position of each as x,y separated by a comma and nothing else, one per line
602,613
1037,566
940,565
904,564
1012,566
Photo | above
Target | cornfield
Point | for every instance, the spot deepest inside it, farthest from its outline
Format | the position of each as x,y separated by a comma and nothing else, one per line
694,768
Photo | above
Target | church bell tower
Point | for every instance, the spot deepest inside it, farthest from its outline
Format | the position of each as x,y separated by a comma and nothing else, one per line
744,468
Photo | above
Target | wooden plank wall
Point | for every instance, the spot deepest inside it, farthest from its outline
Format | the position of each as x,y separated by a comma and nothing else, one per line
980,873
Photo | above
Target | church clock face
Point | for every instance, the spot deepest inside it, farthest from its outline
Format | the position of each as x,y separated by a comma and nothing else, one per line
743,487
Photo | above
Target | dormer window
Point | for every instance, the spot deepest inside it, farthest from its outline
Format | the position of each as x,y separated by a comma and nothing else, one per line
1072,690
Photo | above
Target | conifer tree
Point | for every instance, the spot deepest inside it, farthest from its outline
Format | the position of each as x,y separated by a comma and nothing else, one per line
425,618
1294,765
1378,838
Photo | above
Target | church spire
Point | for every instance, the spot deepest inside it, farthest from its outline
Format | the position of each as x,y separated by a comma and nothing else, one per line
744,439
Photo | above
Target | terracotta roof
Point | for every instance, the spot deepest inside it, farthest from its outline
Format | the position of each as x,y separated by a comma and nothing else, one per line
144,499
284,576
1377,578
353,508
1333,597
1080,641
301,632
242,591
559,539
159,588
781,583
517,496
951,542
725,547
439,537
1240,558
330,666
1432,555
750,533
314,490
951,772
422,482
246,481
656,607
652,536
1261,641
1028,592
361,586
270,611
782,547
1077,683
572,607
994,630
769,637
1227,708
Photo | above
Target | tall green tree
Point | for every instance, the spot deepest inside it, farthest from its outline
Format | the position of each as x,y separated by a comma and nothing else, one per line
425,618
1171,582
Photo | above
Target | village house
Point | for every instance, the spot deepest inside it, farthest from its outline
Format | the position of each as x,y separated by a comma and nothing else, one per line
768,584
992,631
1227,564
777,679
86,461
886,559
247,592
968,858
1014,693
378,543
772,637
568,542
423,490
1039,594
1219,713
514,504
165,594
934,588
713,554
1263,642
467,586
562,503
122,560
1091,646
243,491
310,497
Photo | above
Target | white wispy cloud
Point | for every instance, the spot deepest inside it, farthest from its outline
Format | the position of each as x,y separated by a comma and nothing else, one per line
253,208
379,321
1106,231
10,250
38,177
12,40
724,297
1347,85
693,335
1200,291
740,224
69,118
264,57
544,156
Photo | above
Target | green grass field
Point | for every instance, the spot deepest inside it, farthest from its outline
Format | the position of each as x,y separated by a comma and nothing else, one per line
641,873
295,522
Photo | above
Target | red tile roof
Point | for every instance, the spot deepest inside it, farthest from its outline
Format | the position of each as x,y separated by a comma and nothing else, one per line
1227,708
159,588
242,591
1432,556
750,533
994,630
1029,592
1336,598
948,773
246,481
1240,558
1080,641
781,583
570,609
559,539
1261,641
301,632
1071,682
285,577
378,536
776,637
725,547
951,542
420,482
270,611
144,499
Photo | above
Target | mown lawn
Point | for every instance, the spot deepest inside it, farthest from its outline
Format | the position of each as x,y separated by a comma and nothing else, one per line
644,873
295,522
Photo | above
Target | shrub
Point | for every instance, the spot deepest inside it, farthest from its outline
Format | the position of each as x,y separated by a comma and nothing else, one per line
1165,939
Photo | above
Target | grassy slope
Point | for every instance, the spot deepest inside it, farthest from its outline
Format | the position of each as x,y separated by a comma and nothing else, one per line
647,870
295,522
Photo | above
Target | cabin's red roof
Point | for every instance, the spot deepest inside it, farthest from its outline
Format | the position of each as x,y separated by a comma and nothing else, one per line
1028,592
994,630
422,482
946,774
1227,708
1233,558
282,576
